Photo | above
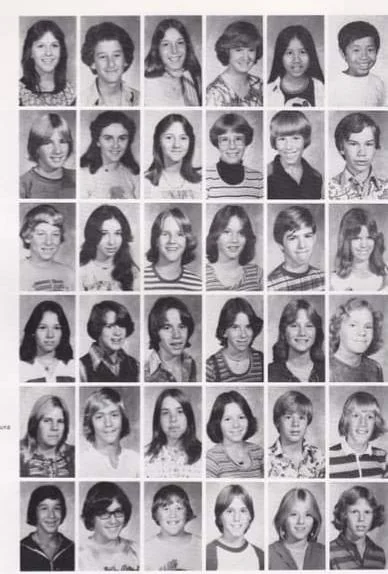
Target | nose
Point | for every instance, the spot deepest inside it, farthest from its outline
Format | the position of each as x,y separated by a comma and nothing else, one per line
173,48
173,416
300,519
176,333
301,329
48,50
50,333
235,423
232,143
111,62
295,421
288,143
54,425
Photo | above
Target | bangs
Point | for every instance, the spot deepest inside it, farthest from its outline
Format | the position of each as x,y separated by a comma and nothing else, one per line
287,129
244,41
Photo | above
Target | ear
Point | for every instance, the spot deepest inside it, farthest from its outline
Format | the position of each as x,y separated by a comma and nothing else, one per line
342,54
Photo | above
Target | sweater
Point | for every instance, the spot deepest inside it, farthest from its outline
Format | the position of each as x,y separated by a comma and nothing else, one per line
33,559
280,557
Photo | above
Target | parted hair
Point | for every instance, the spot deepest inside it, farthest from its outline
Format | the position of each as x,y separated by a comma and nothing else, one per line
41,493
237,35
98,499
362,399
285,507
157,319
96,321
184,224
292,402
217,227
30,76
228,315
41,131
225,498
355,123
292,219
164,496
343,311
106,31
350,497
231,122
213,426
38,410
98,400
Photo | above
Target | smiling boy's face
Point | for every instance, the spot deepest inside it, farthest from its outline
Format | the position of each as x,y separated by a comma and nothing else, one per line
360,56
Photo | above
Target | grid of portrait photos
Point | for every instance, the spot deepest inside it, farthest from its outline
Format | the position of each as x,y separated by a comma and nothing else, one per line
203,295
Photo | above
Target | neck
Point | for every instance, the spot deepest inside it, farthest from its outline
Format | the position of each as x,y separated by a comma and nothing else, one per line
53,174
47,451
299,359
355,539
168,269
235,355
45,537
348,357
235,77
108,449
234,447
291,447
296,544
296,84
102,541
360,175
172,167
176,74
227,263
294,168
38,262
361,267
168,360
102,259
173,537
294,267
173,443
356,447
46,358
111,89
232,542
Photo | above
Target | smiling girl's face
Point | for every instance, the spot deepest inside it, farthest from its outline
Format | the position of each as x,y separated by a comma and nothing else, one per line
299,522
296,60
46,53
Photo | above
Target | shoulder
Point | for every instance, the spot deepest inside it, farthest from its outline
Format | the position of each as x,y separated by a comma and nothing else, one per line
311,170
319,91
256,354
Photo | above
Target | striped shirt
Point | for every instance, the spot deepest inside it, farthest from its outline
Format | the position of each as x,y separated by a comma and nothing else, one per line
282,280
187,280
217,369
251,279
219,464
345,463
344,555
251,186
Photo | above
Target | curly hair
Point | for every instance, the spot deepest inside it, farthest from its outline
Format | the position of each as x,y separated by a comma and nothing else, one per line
213,426
106,31
220,223
344,311
28,348
92,157
289,314
236,35
350,497
350,228
123,262
187,171
42,213
189,441
31,78
228,315
362,399
285,508
184,225
282,42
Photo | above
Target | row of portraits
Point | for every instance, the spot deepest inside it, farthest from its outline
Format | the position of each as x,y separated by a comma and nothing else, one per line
109,339
176,444
109,512
294,51
110,240
108,146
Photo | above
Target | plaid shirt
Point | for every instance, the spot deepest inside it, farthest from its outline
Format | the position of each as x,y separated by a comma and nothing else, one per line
282,280
312,464
347,186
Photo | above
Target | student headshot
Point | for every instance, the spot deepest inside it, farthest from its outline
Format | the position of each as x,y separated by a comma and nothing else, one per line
234,48
47,241
295,229
47,155
290,176
360,49
298,350
234,427
49,509
172,66
109,325
109,162
47,64
172,322
232,241
111,52
358,138
295,61
173,257
46,346
234,167
299,524
173,160
110,426
360,424
356,332
109,240
237,326
48,428
110,526
359,263
357,512
174,448
172,515
234,517
299,420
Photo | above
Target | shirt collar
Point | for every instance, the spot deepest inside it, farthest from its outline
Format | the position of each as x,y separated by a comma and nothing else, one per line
98,356
155,362
277,449
348,450
348,177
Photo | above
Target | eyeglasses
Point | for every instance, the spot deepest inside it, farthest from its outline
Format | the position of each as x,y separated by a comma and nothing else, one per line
118,514
225,141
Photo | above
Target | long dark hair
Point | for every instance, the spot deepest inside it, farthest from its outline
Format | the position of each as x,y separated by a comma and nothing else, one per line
188,172
30,76
122,261
191,445
284,38
28,349
92,157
